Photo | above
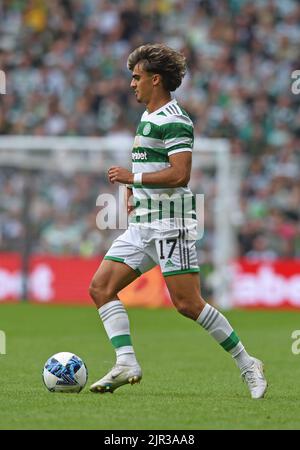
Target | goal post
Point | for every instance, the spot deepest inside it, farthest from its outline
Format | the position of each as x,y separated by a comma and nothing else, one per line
216,153
97,154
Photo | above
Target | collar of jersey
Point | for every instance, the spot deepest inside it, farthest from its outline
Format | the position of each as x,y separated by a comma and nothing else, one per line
163,107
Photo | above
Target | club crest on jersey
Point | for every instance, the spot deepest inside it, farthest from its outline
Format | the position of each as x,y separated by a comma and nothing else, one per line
147,129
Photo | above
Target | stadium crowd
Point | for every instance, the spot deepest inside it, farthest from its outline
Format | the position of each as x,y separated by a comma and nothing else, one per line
65,62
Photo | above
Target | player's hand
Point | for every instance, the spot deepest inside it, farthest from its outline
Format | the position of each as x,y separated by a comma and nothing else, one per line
120,174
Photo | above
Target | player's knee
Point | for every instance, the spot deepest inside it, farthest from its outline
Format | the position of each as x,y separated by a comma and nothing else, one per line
94,291
101,293
184,308
188,308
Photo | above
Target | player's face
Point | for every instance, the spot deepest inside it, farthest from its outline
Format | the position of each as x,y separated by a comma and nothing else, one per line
142,84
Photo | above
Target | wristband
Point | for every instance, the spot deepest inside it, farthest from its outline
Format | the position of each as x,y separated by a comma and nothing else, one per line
137,179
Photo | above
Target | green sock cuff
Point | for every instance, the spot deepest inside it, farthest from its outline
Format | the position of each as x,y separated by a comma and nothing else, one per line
230,342
123,340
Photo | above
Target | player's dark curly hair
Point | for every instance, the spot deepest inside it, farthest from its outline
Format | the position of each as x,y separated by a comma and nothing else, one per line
158,58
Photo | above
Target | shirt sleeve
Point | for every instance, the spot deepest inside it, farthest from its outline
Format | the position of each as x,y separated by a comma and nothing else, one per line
178,137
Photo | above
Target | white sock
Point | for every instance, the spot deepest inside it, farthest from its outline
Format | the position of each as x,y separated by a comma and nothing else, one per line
220,329
243,360
116,324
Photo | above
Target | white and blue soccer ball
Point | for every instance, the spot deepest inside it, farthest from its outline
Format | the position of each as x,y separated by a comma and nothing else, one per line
65,372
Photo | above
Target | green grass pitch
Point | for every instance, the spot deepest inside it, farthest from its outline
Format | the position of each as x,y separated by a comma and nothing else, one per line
189,381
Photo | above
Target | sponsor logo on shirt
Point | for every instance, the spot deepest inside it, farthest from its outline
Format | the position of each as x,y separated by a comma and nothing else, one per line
139,156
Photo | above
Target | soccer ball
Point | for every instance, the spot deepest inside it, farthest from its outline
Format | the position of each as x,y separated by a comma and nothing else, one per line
65,372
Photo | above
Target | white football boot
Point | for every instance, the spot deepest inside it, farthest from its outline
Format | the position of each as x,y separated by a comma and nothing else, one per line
255,379
118,376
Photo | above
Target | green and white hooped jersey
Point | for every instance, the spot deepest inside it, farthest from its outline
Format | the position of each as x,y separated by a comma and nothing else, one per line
160,134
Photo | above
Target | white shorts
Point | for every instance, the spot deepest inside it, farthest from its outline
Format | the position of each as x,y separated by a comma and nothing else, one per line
142,248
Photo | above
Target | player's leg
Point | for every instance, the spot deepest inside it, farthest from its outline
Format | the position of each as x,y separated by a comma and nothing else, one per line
118,269
111,278
185,293
178,261
186,296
